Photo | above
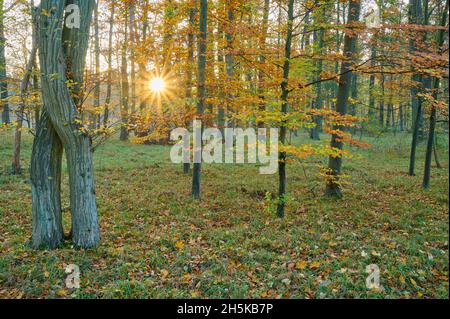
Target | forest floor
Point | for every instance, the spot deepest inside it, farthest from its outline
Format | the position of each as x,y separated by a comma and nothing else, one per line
159,243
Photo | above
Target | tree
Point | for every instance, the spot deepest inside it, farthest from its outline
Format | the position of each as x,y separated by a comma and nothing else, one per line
3,83
110,71
95,117
16,167
62,54
190,63
333,188
284,109
124,107
416,17
318,102
201,91
262,59
433,115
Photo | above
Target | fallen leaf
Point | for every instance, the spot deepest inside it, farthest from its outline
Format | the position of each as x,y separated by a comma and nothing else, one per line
300,265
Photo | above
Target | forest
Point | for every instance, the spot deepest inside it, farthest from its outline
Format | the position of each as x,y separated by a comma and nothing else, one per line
198,149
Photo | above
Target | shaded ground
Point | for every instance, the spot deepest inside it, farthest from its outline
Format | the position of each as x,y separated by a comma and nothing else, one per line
157,242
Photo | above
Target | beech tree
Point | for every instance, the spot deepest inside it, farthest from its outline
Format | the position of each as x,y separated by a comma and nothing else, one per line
201,89
335,162
62,54
3,83
284,110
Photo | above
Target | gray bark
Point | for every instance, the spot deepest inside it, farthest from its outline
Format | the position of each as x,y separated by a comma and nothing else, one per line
262,59
95,117
191,44
124,112
201,87
333,188
109,84
62,54
4,105
432,130
45,173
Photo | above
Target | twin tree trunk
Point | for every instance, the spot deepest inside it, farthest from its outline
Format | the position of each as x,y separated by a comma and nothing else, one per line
333,188
62,53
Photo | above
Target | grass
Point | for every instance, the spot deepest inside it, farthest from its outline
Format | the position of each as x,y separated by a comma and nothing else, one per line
159,243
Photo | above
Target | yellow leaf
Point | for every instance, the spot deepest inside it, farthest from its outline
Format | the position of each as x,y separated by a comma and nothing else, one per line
315,265
179,245
62,293
46,274
413,282
301,265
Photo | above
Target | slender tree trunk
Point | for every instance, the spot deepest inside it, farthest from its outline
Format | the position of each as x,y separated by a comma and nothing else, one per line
133,58
415,138
96,116
381,115
333,188
262,59
284,109
229,58
16,167
318,103
432,134
201,90
372,85
191,44
143,104
4,105
417,17
436,157
124,112
401,118
109,84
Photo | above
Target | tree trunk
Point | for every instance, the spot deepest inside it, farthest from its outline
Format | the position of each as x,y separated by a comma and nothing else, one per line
124,112
372,86
109,84
201,89
333,188
96,116
16,167
284,109
431,134
63,107
262,59
381,118
45,174
4,105
133,59
318,103
141,61
401,118
436,158
191,44
229,59
417,17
